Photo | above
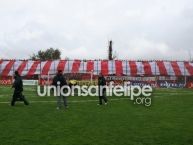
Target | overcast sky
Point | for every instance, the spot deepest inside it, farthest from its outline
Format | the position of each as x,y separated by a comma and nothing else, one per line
140,29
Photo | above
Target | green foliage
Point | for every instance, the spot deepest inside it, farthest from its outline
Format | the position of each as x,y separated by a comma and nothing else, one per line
49,54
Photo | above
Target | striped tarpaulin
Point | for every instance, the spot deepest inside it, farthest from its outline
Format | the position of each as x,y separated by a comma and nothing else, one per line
116,67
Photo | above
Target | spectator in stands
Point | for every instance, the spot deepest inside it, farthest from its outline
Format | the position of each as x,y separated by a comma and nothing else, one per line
102,89
59,78
18,89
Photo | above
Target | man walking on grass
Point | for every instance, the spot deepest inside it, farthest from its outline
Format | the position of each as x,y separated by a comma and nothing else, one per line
18,89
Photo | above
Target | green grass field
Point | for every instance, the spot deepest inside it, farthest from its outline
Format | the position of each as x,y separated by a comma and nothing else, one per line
167,122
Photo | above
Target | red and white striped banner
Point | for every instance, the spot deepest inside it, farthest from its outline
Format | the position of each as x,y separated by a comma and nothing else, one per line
106,67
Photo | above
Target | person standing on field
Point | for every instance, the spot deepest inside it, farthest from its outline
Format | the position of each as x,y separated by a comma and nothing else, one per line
102,89
59,79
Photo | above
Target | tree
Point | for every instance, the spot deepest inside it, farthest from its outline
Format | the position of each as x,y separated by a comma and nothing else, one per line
49,54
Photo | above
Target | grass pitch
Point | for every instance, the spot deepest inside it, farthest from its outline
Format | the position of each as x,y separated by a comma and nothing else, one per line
168,121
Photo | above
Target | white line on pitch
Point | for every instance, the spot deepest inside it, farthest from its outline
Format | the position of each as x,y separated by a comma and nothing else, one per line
83,101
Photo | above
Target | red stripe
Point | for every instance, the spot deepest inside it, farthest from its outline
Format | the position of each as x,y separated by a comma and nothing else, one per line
33,68
176,68
147,68
133,68
119,67
162,68
61,65
90,66
189,68
22,66
8,68
76,66
46,67
104,67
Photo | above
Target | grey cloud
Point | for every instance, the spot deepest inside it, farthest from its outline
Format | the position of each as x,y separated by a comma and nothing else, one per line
141,29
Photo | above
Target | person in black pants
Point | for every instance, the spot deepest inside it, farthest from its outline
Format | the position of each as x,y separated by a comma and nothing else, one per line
102,89
18,89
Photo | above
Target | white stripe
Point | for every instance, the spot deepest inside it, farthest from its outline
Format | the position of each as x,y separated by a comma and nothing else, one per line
157,69
39,68
42,66
182,67
53,67
85,66
111,67
97,67
126,68
140,68
82,68
69,66
27,68
15,67
3,65
153,67
187,73
66,66
169,68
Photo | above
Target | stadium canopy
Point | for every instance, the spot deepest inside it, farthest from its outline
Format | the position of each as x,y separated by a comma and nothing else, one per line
114,67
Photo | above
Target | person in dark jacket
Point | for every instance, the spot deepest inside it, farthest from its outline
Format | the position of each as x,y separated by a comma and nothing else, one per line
18,89
59,78
102,89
